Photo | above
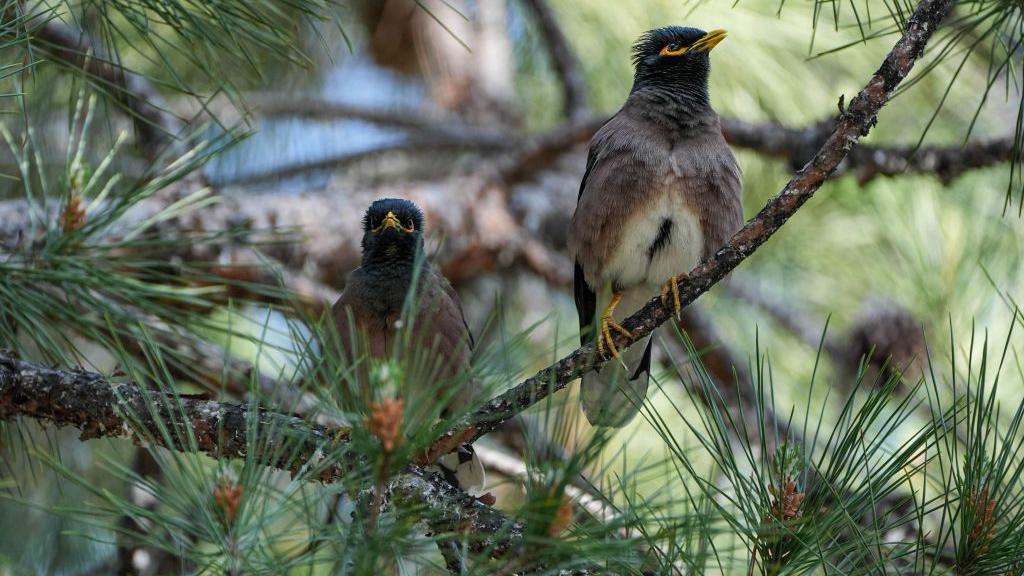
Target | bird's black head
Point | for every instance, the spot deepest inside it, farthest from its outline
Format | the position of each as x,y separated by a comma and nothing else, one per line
392,232
675,58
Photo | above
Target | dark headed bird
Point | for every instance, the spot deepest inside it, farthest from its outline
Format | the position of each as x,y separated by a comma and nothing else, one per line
368,317
661,193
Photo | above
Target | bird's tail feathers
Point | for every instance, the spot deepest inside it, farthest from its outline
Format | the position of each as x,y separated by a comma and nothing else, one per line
613,395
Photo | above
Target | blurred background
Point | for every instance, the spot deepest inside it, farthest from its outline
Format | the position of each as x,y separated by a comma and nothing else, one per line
479,111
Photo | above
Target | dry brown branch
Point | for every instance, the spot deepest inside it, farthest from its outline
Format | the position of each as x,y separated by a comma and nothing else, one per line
523,157
856,121
797,145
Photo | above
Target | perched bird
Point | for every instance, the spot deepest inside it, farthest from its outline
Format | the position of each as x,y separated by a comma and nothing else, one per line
661,192
369,321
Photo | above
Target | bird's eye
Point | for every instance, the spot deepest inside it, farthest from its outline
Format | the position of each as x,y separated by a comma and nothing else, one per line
674,48
410,224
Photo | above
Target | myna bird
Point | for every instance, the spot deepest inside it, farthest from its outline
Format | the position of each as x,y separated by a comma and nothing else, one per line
369,315
661,192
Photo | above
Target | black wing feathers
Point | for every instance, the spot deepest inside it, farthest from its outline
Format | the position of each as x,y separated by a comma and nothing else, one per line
586,299
586,302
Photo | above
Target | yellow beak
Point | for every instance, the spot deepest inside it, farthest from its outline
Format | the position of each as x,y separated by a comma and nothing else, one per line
708,41
391,221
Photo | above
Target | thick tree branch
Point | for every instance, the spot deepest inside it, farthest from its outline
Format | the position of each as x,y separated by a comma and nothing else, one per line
796,145
101,409
856,121
448,509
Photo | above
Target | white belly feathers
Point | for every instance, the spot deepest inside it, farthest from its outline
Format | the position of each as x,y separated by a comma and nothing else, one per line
633,262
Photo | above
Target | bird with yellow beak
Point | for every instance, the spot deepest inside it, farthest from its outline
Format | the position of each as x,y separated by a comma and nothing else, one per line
661,192
369,315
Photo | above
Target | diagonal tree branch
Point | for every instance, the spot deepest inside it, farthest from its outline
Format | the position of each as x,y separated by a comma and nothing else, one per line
855,121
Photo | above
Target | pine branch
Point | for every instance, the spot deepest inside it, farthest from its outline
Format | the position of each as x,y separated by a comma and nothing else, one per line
856,121
101,409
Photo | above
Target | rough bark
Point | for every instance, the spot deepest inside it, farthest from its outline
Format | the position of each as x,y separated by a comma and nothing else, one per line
102,409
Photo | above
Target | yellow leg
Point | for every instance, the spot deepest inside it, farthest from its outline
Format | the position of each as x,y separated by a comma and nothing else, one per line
608,324
672,286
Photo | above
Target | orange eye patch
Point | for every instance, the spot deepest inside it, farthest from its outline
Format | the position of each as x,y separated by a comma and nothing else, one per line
673,50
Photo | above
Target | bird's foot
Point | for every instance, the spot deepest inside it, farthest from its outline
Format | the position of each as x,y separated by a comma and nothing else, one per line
672,288
605,339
